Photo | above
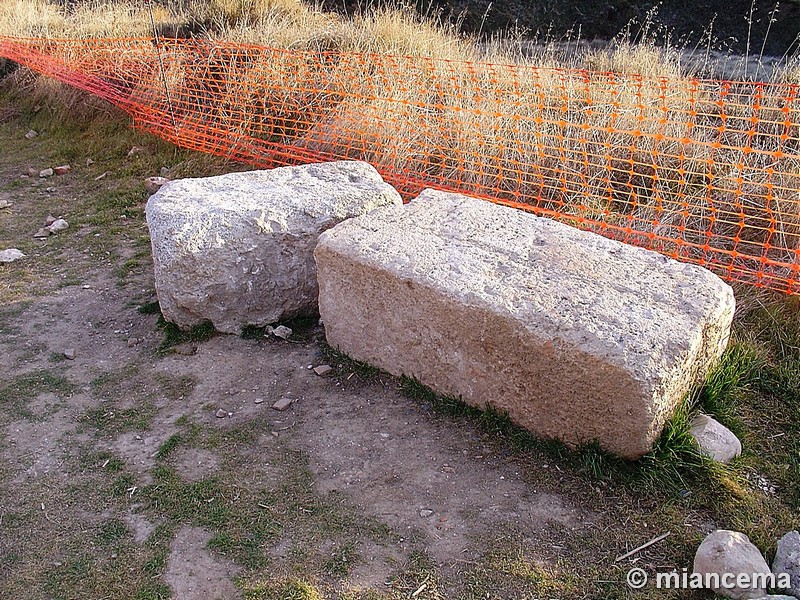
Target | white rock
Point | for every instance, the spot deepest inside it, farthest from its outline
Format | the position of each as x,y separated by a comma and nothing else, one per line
724,551
69,353
46,173
238,249
787,560
221,413
575,336
281,331
31,134
10,255
714,439
5,204
58,225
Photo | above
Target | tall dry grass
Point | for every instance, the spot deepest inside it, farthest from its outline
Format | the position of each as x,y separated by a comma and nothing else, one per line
621,140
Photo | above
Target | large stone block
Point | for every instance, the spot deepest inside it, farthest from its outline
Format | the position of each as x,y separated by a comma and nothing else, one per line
237,249
575,336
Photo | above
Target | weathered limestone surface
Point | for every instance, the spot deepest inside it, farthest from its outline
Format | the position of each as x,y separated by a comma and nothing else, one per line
576,336
238,249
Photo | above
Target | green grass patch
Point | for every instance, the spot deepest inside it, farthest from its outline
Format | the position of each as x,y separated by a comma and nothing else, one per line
17,393
169,446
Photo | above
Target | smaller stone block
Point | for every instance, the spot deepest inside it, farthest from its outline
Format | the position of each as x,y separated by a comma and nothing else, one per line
237,249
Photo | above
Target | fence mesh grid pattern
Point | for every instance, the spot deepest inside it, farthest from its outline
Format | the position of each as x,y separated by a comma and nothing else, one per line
704,171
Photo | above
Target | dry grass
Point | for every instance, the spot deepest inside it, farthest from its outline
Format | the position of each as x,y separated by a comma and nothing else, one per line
632,147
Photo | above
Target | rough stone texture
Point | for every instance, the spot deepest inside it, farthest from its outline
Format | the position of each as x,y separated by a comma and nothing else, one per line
724,551
576,336
238,249
714,439
787,560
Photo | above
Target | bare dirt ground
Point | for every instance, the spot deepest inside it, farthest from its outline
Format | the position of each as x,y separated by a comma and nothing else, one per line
118,479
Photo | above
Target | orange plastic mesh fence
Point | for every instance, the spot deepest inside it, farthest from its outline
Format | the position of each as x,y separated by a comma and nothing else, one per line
703,171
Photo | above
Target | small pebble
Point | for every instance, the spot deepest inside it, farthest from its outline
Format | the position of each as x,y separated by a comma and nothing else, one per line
42,233
259,400
281,331
33,172
153,184
69,353
5,204
50,220
135,151
46,173
425,513
221,414
62,169
31,134
322,370
58,225
283,404
133,342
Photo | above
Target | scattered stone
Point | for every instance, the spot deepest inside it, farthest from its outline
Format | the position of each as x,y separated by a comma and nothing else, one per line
89,162
787,560
238,249
165,172
777,597
221,413
5,204
133,342
283,404
259,400
50,220
69,353
33,172
46,173
724,551
42,233
323,370
624,330
10,255
31,134
714,439
58,225
62,169
102,176
281,331
425,513
153,184
50,190
135,151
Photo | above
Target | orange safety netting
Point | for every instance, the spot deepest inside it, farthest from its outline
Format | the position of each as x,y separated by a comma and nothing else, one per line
703,171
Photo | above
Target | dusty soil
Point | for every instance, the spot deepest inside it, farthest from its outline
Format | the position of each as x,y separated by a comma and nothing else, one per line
119,480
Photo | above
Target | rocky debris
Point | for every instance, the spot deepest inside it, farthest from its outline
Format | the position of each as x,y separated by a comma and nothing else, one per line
425,513
10,255
42,233
222,413
46,173
323,370
258,400
787,560
135,151
4,204
283,404
62,169
31,134
165,172
281,331
237,249
33,172
607,337
49,220
133,342
153,184
724,551
69,353
58,225
714,439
